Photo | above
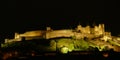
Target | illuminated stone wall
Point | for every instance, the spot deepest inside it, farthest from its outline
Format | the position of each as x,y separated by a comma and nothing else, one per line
29,34
78,33
59,33
99,30
83,29
32,33
12,40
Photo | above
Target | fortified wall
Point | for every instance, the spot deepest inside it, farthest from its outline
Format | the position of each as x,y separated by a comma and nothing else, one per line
78,33
97,30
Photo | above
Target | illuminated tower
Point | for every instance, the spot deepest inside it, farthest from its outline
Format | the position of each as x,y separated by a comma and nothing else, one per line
16,36
48,28
101,28
79,27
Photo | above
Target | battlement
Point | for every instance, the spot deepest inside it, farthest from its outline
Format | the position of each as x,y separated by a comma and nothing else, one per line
97,30
50,33
79,32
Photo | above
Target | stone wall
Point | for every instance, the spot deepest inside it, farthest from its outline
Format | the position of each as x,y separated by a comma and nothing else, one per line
83,29
29,34
17,35
99,30
80,32
12,40
59,33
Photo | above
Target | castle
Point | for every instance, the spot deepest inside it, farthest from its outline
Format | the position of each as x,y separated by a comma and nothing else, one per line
79,33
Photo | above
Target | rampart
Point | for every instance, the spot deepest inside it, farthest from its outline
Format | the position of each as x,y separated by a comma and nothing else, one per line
78,33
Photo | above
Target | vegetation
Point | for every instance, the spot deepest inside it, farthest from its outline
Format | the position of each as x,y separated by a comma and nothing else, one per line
24,46
81,44
56,44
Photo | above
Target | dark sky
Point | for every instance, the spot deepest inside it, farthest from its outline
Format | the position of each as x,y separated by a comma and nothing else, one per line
22,16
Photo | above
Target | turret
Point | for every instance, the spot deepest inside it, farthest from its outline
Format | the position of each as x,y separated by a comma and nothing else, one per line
79,27
48,28
17,36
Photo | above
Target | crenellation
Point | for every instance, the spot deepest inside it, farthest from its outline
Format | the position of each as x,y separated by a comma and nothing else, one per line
72,39
79,33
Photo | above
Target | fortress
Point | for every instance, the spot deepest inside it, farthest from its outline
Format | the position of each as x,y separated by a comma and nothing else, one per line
79,33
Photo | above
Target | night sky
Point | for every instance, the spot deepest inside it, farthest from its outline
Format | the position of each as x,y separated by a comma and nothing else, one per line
25,17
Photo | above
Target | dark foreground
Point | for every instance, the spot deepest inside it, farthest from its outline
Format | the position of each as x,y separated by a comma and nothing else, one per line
73,56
